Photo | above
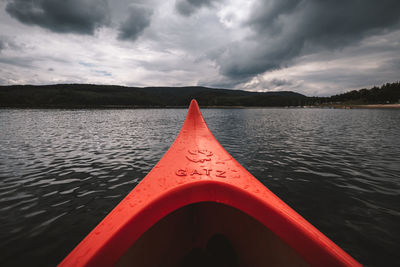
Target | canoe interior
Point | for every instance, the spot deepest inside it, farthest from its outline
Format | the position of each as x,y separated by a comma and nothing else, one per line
185,236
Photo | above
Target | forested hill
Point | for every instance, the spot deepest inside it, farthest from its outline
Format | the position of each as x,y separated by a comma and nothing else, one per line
99,96
84,95
388,93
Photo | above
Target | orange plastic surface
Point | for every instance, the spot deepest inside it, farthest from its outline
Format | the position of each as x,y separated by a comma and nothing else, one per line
195,169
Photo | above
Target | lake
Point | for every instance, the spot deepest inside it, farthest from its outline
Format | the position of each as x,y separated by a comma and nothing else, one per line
62,171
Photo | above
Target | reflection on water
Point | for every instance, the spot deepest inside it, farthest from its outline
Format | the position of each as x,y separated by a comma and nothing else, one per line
62,171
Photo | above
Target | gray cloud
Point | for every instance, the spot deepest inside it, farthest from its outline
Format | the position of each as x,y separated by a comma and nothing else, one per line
188,7
285,29
281,82
373,61
72,16
8,43
138,20
26,62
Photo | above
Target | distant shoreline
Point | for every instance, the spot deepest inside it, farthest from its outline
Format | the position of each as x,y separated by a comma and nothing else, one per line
341,106
87,96
101,96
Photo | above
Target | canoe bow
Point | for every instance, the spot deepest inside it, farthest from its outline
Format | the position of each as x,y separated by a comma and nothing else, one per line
197,169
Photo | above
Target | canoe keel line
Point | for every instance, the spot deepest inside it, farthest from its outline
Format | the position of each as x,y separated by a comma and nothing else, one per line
196,193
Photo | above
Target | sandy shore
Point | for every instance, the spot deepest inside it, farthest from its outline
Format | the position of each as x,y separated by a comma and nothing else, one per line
376,106
373,106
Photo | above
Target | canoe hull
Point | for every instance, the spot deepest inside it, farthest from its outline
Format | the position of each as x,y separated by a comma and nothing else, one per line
192,227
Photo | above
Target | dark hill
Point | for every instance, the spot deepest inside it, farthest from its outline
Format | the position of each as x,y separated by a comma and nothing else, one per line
93,96
387,93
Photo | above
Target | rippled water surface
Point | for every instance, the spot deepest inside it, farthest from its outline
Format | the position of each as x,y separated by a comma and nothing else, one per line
62,171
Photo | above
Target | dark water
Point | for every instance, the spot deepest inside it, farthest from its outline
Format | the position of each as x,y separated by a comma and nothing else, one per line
62,171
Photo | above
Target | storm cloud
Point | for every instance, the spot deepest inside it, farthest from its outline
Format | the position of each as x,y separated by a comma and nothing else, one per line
139,18
315,47
285,29
72,16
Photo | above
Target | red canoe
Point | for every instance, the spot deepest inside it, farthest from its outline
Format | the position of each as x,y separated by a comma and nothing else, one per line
198,191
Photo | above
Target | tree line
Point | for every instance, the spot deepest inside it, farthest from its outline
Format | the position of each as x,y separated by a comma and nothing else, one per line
105,96
388,93
99,96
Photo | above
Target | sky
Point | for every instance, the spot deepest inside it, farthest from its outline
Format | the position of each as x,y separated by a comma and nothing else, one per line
313,47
